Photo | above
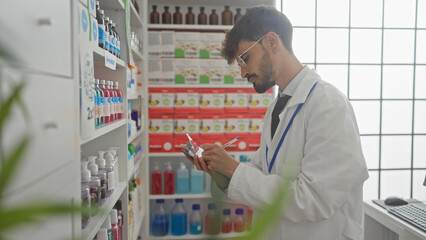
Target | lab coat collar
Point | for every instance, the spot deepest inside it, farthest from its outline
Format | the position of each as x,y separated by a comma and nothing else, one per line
303,87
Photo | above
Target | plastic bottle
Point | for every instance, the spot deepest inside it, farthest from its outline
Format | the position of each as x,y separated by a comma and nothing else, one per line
166,17
111,35
238,15
85,205
120,217
101,26
114,224
177,16
94,184
108,227
101,174
116,39
98,105
182,185
107,34
197,180
249,218
189,16
113,151
196,220
107,101
110,170
113,98
154,16
169,179
179,218
101,100
239,220
227,16
156,182
213,18
208,183
96,101
102,234
202,17
120,102
160,222
212,220
226,221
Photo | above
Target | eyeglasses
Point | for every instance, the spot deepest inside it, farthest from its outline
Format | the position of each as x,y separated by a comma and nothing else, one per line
240,60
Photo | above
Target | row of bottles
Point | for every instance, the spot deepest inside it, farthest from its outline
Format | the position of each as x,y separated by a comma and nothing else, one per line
108,102
108,36
134,207
186,181
212,223
99,176
111,229
166,16
136,43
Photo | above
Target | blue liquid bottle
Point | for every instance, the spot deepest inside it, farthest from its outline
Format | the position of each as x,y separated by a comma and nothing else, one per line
197,180
196,221
179,218
182,176
160,221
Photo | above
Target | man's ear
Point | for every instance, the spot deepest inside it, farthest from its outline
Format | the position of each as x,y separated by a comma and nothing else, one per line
272,41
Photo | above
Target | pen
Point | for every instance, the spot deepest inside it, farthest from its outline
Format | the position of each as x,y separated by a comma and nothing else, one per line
230,142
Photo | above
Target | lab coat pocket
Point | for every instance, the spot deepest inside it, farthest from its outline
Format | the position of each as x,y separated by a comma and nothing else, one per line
352,230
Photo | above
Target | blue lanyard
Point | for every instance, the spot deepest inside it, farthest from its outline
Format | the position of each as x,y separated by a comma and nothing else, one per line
285,132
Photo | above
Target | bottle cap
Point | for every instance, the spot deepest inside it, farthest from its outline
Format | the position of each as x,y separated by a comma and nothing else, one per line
169,166
118,205
159,201
239,211
114,216
179,200
226,211
102,81
102,234
107,223
92,166
101,160
109,157
156,168
85,173
116,84
212,206
195,206
182,165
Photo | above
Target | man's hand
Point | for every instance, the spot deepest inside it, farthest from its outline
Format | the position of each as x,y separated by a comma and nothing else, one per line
215,157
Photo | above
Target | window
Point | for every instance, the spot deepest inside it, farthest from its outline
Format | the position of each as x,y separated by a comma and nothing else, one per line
374,51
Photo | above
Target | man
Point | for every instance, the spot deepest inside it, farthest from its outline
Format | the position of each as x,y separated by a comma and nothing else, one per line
312,143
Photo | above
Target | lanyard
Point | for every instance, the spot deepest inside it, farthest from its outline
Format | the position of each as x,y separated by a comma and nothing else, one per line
285,132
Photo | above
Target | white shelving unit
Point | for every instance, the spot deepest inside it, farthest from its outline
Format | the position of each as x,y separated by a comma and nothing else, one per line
230,235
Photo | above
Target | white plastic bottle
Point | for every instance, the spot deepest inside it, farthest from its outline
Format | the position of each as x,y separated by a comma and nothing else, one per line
113,151
94,184
102,166
101,174
182,185
108,227
102,234
110,169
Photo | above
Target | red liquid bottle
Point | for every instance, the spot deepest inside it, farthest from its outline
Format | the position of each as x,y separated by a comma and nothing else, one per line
226,221
120,102
169,180
156,180
113,97
107,100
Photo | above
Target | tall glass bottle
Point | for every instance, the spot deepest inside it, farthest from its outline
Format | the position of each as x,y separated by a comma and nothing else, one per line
189,16
213,18
212,222
159,222
227,16
177,16
179,218
195,220
166,17
226,221
120,101
101,25
154,16
113,97
107,37
107,101
239,220
202,17
238,15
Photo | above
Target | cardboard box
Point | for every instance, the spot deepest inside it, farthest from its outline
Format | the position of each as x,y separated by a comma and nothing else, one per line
154,43
161,100
168,44
187,45
236,125
186,100
161,145
236,100
95,33
212,100
211,71
154,70
259,102
255,127
211,126
187,71
211,45
233,75
167,71
186,123
161,126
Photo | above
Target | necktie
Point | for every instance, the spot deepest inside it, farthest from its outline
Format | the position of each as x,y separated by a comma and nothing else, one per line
279,106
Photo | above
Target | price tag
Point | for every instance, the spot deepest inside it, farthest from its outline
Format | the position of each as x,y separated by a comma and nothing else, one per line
110,60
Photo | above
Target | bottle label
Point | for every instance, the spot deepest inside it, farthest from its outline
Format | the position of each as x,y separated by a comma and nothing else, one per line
101,29
116,105
106,41
96,106
111,180
121,110
107,106
102,106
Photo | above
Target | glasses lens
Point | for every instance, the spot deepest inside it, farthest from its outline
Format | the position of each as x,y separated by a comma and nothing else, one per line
240,62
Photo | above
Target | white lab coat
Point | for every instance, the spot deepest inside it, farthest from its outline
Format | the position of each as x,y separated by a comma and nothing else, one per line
321,156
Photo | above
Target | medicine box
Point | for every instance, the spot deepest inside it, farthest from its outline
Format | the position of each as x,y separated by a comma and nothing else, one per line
211,71
212,100
168,44
187,71
186,100
154,43
154,70
236,100
211,45
160,100
187,44
167,71
211,126
259,102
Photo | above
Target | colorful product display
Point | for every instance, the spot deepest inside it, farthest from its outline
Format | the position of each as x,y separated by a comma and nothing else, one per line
108,102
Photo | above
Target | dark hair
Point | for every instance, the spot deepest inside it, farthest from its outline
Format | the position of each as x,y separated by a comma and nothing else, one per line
257,22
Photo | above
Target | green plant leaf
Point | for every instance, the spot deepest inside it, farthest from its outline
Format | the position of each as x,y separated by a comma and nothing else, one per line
11,163
6,105
24,214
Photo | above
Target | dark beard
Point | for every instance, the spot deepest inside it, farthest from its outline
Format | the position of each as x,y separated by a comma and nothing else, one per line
266,72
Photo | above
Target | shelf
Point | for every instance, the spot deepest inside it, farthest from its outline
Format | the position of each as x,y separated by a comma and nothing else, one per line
137,134
203,236
202,85
133,97
201,28
112,4
103,130
96,222
185,196
100,55
135,20
137,55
